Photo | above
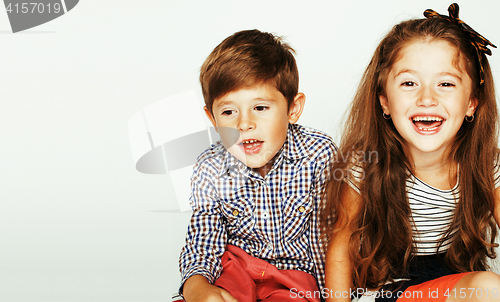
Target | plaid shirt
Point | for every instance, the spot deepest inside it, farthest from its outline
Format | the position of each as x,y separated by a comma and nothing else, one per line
275,218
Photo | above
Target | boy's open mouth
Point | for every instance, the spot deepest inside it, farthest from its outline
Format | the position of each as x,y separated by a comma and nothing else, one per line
427,123
248,144
251,145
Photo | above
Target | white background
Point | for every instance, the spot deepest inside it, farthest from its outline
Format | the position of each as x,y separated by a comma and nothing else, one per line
77,221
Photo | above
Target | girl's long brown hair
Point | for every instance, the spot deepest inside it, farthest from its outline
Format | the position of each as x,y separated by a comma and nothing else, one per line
381,244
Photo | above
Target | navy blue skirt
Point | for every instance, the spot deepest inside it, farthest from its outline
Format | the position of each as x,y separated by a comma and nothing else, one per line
420,269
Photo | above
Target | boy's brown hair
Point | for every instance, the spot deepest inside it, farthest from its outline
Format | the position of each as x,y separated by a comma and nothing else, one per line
247,58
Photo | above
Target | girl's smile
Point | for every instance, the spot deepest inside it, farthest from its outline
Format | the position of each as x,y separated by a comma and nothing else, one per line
427,124
428,94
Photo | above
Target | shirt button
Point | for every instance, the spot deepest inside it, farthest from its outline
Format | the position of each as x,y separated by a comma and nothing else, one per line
235,212
302,209
265,215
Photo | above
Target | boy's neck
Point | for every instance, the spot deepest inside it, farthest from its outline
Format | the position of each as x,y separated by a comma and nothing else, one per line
265,169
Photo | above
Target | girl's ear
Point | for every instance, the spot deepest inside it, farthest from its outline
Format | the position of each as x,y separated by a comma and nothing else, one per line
472,107
384,104
296,108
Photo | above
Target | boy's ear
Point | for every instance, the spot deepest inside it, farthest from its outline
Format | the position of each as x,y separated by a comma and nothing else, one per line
384,104
296,108
211,117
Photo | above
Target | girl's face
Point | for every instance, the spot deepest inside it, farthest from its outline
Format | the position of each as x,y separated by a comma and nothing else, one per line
428,96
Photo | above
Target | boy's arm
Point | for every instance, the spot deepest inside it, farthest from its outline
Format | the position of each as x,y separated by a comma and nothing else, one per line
206,236
197,288
326,152
338,276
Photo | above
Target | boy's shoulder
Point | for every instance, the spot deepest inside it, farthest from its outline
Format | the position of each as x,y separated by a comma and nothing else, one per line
214,154
312,133
315,142
212,160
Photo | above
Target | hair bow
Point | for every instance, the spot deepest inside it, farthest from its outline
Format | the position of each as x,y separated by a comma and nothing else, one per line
479,42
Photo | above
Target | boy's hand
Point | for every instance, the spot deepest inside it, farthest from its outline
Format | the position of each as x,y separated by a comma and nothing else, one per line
197,288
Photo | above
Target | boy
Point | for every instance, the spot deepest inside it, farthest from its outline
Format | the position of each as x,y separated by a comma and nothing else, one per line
254,232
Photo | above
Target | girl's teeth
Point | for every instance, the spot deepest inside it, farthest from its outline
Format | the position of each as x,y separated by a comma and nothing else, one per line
427,118
427,123
427,129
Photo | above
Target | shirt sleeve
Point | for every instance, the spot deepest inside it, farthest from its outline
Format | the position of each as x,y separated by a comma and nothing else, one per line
322,175
354,176
206,236
496,176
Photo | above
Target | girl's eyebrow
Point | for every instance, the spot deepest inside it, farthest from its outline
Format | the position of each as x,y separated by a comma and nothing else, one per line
452,74
404,71
444,73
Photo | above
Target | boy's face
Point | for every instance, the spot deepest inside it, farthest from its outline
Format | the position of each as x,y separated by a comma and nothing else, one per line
260,115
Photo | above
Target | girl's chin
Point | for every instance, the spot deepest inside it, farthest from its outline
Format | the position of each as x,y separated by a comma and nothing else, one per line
423,147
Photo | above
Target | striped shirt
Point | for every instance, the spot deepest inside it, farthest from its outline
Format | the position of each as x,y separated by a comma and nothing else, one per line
274,218
432,210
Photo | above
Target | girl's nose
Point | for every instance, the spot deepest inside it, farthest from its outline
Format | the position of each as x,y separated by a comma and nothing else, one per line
427,97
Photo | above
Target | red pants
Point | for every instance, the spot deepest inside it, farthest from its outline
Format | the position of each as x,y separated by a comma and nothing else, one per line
437,290
251,279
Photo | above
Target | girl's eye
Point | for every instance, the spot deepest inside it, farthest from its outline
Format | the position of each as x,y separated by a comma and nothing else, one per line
447,84
409,84
261,108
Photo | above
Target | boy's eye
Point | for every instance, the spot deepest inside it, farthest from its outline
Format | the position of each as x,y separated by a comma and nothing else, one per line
261,108
227,112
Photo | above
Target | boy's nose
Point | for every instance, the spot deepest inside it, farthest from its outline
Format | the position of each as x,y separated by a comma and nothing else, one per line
246,123
427,97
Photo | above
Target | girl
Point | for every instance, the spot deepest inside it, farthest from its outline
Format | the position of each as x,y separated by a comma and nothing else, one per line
422,217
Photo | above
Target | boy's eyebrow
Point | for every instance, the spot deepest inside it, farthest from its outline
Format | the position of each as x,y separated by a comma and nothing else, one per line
265,99
228,102
224,103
